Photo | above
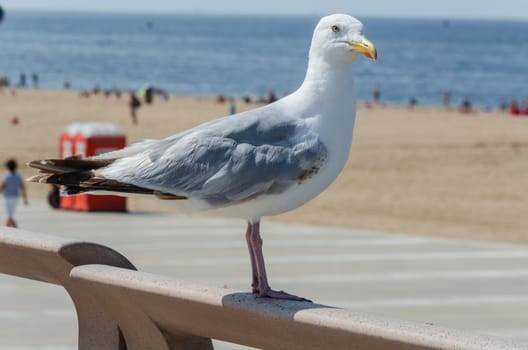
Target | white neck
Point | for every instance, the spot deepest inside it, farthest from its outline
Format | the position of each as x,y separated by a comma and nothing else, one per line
328,92
328,83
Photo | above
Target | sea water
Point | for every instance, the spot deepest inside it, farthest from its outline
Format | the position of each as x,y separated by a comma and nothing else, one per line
484,61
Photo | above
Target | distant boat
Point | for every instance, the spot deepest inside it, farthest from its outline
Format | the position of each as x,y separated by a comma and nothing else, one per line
1,14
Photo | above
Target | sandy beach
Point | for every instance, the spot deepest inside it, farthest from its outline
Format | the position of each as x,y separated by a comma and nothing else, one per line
427,171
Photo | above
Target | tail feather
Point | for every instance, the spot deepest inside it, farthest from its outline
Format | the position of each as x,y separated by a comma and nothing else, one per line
71,164
79,176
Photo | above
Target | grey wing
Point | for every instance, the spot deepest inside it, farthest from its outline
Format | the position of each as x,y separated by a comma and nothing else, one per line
226,165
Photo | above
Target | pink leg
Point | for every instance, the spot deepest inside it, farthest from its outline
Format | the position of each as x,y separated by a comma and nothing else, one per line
263,288
254,273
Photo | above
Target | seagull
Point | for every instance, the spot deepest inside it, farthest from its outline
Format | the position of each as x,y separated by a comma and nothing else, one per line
258,163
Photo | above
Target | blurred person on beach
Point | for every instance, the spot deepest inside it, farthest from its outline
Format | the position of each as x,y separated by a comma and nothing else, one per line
232,106
12,187
466,106
35,79
376,94
4,82
134,105
22,80
271,96
446,97
513,108
412,102
149,95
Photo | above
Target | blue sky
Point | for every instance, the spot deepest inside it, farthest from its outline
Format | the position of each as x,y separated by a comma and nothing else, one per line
491,9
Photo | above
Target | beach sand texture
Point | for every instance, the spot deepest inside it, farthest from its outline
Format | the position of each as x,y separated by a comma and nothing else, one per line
427,171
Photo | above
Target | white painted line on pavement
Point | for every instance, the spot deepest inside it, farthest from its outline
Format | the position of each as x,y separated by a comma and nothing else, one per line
434,302
398,276
222,244
340,258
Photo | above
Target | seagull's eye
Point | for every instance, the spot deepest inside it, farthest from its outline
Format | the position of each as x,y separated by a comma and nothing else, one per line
335,28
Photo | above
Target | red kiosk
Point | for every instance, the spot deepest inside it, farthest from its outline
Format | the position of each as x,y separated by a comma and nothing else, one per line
90,139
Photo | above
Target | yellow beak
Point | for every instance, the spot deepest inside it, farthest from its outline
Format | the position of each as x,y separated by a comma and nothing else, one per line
366,47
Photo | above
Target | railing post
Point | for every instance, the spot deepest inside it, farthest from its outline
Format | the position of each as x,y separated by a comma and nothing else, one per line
97,328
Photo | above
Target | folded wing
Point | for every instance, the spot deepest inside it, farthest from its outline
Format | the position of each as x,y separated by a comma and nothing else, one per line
220,163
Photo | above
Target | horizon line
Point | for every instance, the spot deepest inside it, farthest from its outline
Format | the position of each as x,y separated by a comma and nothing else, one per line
266,14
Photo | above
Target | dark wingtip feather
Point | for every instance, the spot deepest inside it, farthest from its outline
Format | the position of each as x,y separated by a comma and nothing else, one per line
78,175
68,165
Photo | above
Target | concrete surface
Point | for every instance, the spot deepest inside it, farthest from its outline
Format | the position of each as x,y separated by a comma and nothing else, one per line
481,287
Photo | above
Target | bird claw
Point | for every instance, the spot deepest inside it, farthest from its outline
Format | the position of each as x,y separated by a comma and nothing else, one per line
274,294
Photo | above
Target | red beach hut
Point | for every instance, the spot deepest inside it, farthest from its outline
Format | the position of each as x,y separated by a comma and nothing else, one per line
90,139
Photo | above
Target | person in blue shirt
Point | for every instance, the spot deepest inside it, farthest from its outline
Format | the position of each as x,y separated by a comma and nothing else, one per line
12,187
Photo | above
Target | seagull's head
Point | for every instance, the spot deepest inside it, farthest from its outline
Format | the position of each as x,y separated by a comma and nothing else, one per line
339,39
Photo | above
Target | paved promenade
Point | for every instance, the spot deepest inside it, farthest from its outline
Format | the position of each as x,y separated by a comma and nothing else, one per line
481,287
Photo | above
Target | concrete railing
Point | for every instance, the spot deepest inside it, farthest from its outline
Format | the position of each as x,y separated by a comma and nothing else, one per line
51,259
120,308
